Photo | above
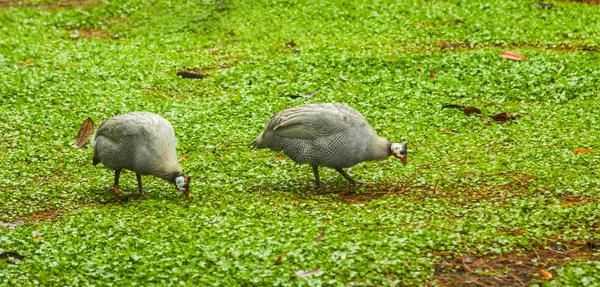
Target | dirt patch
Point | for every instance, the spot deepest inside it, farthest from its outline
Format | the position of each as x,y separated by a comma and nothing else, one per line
513,269
46,215
368,191
591,2
449,47
51,4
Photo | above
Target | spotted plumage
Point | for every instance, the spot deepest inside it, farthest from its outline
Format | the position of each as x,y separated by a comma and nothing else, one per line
327,134
141,142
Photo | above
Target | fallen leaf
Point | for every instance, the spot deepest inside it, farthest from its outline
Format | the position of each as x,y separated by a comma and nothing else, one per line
343,78
190,75
105,99
453,106
512,56
302,273
291,43
519,231
543,5
466,110
319,238
471,110
468,175
26,62
571,203
295,51
432,74
583,150
231,33
13,255
278,260
85,132
502,117
547,275
447,132
309,95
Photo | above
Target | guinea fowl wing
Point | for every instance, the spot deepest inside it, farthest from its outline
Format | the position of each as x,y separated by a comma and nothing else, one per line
314,121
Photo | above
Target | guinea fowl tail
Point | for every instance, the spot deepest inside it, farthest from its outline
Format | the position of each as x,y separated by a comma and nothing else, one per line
254,144
95,160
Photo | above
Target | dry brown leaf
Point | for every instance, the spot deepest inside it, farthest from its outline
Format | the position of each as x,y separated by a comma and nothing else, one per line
547,275
291,43
85,132
571,203
471,110
319,238
432,74
583,150
26,62
278,260
466,110
502,117
512,55
302,273
190,74
468,175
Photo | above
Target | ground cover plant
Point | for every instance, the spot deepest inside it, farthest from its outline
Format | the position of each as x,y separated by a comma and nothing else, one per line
481,202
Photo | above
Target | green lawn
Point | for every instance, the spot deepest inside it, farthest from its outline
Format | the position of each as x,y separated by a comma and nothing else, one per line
480,203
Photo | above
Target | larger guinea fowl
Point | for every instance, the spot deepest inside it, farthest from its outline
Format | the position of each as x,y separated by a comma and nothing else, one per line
327,134
143,143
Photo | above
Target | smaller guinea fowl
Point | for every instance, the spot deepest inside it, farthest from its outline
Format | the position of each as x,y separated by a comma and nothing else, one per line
142,142
327,134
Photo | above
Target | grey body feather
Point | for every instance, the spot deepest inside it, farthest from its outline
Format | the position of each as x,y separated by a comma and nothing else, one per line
141,142
327,134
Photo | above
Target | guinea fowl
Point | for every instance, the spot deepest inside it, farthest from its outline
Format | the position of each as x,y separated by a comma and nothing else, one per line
143,143
327,134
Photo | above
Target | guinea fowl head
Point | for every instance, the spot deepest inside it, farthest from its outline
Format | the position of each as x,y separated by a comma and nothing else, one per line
182,183
400,150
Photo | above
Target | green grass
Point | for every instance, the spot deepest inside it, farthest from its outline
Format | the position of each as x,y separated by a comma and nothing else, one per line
489,190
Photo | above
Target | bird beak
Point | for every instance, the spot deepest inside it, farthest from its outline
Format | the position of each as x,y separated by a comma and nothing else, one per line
403,158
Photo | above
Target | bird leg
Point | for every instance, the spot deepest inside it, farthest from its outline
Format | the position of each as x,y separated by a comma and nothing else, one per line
348,177
115,187
139,179
317,179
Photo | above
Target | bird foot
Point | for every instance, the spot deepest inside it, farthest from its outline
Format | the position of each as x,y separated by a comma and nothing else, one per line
117,190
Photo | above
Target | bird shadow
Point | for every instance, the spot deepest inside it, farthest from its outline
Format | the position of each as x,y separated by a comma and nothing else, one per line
336,190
